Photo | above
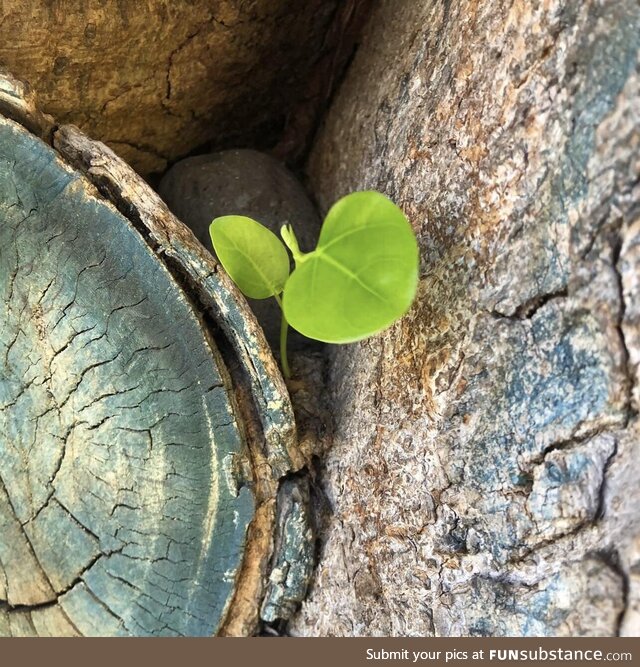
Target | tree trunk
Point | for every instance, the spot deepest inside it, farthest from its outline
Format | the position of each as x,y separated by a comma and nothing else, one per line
156,79
484,476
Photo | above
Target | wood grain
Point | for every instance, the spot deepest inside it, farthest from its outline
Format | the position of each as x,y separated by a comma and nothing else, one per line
121,509
145,424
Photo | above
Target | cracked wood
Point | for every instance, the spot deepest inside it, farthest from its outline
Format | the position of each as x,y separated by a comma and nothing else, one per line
120,513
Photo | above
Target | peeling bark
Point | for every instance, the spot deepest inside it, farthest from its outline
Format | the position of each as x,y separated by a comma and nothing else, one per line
483,479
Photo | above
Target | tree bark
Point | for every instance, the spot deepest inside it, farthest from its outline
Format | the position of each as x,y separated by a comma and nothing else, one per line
154,80
483,479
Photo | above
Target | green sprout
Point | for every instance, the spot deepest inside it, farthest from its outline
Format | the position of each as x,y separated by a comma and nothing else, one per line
359,280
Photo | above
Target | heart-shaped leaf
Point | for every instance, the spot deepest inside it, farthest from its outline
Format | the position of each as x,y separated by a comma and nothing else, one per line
362,276
253,256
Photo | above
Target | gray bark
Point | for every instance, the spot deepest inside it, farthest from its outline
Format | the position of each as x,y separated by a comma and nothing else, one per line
483,479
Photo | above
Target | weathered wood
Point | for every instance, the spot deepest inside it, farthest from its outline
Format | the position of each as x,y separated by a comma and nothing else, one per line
212,287
139,463
109,411
155,79
484,474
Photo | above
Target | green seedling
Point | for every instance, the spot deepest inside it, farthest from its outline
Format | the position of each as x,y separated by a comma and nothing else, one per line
359,280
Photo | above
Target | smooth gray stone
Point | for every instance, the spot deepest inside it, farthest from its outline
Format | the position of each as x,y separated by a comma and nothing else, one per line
242,182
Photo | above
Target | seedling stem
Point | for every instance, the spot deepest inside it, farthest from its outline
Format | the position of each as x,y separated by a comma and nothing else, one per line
284,330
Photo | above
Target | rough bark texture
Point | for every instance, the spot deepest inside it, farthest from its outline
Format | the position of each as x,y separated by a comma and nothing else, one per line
484,474
154,79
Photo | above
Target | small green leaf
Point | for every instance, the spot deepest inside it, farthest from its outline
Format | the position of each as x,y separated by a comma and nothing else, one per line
362,276
290,240
253,256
